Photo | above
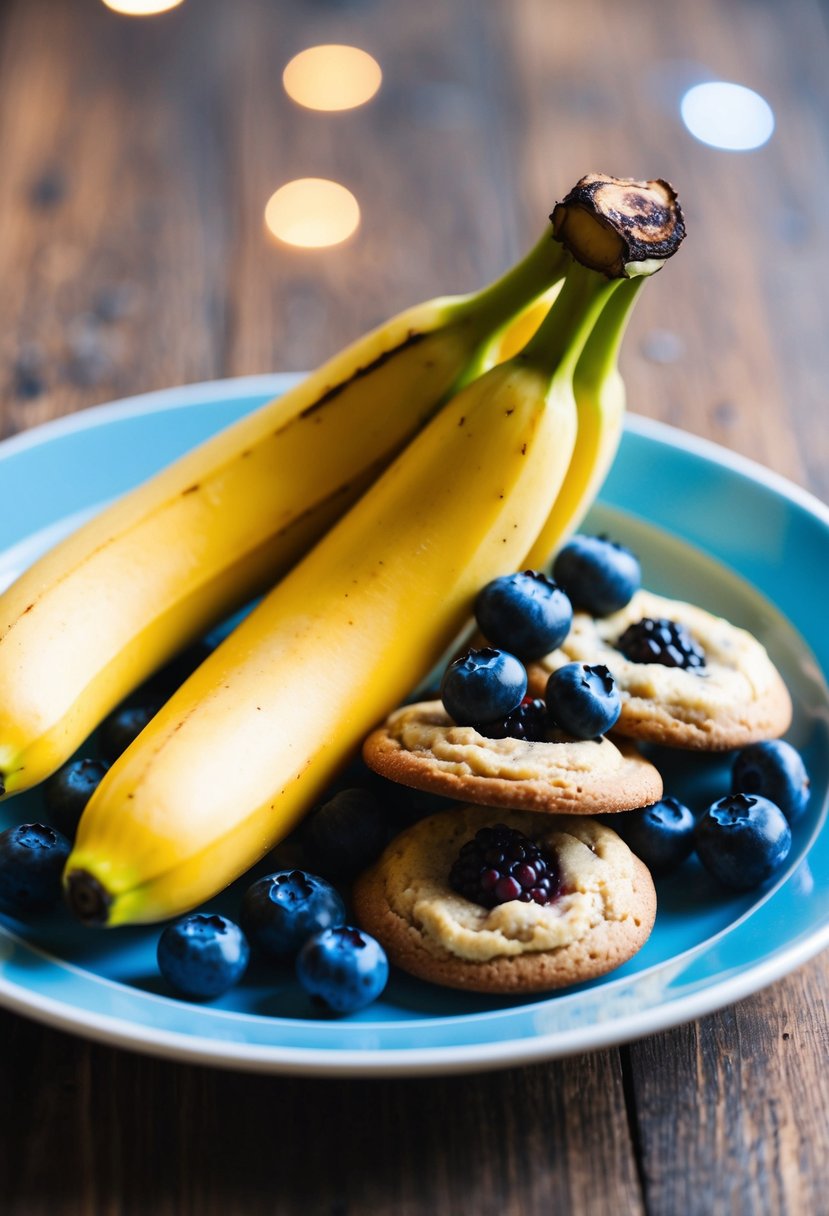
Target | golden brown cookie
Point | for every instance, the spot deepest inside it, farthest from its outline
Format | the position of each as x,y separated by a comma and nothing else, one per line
736,698
421,746
603,913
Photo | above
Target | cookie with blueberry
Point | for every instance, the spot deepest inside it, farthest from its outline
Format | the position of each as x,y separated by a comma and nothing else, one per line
685,677
507,901
520,761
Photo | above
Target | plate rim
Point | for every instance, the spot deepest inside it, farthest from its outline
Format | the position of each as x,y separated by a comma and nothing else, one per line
479,1056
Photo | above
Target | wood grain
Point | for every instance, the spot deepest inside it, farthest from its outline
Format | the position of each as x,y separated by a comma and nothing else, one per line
97,1130
733,1112
137,157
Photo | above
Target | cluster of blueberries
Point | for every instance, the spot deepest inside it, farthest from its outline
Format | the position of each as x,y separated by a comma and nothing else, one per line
291,916
526,616
297,914
743,838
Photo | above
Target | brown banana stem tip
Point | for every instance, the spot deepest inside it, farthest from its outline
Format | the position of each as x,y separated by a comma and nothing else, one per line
618,226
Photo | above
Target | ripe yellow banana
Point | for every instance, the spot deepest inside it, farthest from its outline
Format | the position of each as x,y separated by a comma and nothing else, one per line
100,612
519,331
235,758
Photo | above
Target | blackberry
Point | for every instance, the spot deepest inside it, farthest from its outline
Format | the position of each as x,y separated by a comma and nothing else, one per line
501,864
529,722
661,641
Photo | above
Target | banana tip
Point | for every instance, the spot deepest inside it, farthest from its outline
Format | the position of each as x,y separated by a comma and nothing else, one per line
87,898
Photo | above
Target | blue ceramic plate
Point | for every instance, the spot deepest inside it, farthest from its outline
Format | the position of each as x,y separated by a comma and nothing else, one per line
709,526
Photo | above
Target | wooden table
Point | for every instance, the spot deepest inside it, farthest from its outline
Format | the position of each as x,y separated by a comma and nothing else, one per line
136,160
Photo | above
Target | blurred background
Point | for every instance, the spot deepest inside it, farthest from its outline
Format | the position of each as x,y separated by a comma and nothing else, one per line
152,231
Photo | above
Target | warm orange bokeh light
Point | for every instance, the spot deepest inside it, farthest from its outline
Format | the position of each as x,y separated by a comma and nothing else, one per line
141,8
312,212
332,77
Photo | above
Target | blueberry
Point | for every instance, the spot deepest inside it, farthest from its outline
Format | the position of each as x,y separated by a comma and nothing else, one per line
346,834
282,910
662,834
120,728
32,857
742,839
483,685
583,700
67,792
598,574
202,955
343,969
527,614
775,770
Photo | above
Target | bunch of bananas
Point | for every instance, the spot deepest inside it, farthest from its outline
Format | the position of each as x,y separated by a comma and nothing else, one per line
375,498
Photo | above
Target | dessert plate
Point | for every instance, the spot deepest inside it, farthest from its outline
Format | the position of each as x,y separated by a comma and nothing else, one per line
707,525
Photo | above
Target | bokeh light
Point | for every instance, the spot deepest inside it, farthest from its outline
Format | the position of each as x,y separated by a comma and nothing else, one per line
312,212
141,8
728,116
332,77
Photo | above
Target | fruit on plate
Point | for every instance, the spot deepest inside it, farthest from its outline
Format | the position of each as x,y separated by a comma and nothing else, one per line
95,616
282,910
483,685
661,835
599,575
238,755
519,331
743,839
203,955
32,856
527,613
67,791
342,969
346,833
776,770
583,700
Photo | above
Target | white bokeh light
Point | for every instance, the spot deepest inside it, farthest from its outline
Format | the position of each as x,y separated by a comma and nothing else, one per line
728,116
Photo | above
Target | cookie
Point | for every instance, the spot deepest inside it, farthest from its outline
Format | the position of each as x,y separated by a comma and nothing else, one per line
601,916
421,746
736,697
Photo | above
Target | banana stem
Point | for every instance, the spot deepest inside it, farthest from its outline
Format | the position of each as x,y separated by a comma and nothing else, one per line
601,350
560,339
495,305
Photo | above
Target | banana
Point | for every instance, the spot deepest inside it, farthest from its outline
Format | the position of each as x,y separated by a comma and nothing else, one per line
519,331
106,607
641,226
600,410
235,758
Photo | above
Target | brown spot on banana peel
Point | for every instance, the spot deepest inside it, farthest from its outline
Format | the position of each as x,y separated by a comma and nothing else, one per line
636,225
412,339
